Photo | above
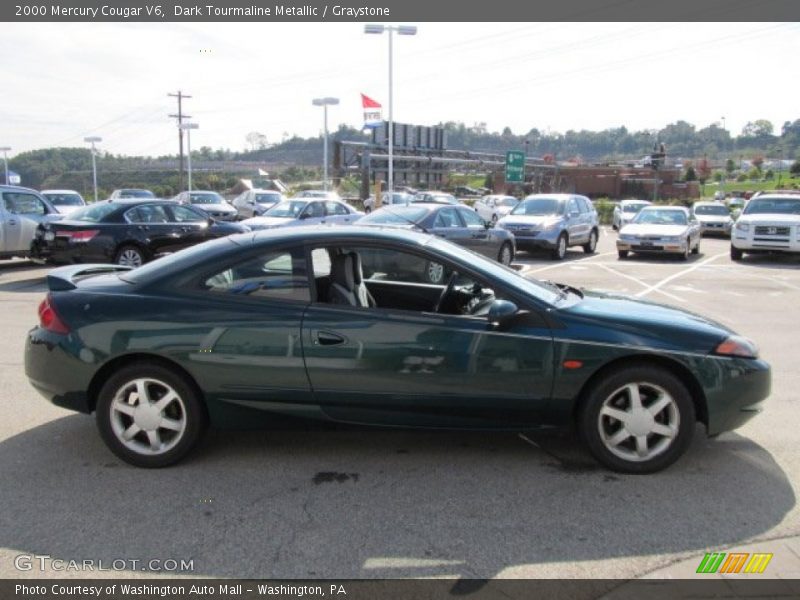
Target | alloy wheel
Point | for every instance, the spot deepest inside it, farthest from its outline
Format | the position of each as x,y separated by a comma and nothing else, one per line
130,257
505,255
638,421
148,416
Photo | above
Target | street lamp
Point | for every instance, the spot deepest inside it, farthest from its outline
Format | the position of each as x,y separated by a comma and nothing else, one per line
401,30
91,140
325,103
5,150
188,128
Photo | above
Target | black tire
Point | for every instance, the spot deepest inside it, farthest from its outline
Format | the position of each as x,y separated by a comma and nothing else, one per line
696,249
189,410
506,247
685,255
666,450
622,254
736,254
560,251
590,246
125,255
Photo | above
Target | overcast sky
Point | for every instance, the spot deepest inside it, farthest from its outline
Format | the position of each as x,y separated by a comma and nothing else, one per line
63,81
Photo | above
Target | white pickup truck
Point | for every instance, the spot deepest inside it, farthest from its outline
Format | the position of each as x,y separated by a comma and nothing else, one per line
768,223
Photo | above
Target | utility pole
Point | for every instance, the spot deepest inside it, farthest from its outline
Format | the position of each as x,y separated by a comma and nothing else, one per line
180,117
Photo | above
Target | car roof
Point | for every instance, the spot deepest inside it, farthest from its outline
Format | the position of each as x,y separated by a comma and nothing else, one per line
654,207
708,203
634,201
17,188
558,196
322,233
60,192
782,195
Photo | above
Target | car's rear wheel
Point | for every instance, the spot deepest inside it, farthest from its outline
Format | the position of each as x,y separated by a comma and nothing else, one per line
506,254
590,246
560,251
736,254
130,256
637,419
149,416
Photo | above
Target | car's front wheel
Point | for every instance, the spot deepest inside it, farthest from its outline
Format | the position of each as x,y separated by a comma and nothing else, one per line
560,251
149,415
506,254
590,246
736,254
637,419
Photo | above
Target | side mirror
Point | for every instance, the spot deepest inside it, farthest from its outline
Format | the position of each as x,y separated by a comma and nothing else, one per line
487,224
303,216
500,311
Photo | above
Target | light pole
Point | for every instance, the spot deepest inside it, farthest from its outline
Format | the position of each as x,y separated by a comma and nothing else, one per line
5,150
92,139
325,103
188,128
401,30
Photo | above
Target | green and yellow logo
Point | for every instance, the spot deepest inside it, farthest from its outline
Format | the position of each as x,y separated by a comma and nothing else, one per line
734,562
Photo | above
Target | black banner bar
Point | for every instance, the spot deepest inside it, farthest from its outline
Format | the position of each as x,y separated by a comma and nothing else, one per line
398,10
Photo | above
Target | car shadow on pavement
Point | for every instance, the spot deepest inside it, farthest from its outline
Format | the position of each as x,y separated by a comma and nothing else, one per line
356,503
32,285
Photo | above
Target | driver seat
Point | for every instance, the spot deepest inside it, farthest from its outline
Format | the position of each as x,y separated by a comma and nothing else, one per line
347,282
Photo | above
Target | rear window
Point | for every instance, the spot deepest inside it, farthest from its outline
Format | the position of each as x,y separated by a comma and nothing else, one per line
93,213
179,262
397,215
711,210
65,199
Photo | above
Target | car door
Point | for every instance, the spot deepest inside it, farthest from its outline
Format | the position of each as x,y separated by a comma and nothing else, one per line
414,367
153,227
447,224
479,239
252,355
575,223
191,224
23,211
313,213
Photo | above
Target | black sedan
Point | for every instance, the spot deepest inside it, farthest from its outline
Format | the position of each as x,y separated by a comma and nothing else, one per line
287,322
457,224
127,233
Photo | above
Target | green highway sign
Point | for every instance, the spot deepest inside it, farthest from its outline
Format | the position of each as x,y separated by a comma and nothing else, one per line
515,166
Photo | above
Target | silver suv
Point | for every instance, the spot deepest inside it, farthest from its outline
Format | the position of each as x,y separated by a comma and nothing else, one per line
21,211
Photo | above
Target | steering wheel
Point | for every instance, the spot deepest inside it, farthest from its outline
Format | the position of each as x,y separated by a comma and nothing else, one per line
451,282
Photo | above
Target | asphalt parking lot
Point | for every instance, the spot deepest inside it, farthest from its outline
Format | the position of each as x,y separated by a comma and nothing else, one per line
306,502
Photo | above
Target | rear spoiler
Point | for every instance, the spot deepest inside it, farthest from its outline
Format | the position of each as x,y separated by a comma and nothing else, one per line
65,278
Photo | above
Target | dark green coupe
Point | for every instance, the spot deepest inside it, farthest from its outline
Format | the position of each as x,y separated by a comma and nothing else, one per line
341,324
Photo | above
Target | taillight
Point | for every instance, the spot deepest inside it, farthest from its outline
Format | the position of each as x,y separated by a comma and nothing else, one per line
82,235
49,319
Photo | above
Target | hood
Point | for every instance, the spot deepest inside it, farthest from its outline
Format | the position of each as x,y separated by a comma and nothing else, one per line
713,218
266,222
645,323
530,220
770,218
223,208
651,229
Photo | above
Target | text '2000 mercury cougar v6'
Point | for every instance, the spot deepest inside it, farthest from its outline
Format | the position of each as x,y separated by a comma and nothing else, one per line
333,323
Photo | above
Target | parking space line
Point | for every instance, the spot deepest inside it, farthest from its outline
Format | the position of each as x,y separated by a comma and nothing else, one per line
565,263
772,279
640,282
674,276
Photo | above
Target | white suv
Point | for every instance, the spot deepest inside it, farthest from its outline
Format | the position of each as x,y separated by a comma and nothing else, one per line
769,223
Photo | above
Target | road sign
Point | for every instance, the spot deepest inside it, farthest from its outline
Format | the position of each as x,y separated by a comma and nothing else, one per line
515,166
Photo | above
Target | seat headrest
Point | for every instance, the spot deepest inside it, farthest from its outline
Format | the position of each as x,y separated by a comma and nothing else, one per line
342,271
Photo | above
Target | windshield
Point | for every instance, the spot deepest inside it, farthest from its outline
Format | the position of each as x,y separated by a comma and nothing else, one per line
289,209
397,215
93,213
268,198
136,194
542,291
632,208
657,216
778,206
710,209
506,202
539,207
65,199
401,198
206,198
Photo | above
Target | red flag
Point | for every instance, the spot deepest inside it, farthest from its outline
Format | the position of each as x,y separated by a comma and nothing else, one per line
367,102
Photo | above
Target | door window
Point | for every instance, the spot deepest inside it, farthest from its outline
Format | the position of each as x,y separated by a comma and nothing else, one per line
23,204
314,210
279,275
471,218
572,207
187,215
334,208
447,217
147,214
